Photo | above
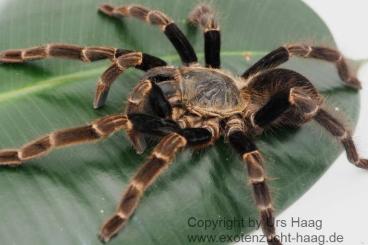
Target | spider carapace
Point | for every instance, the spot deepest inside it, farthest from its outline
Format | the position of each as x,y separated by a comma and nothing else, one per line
192,106
205,92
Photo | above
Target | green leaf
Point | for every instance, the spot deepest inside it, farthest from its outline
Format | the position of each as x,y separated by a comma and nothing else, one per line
64,197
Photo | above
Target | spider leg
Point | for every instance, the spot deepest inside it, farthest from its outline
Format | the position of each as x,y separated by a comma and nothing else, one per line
204,16
66,51
282,54
121,58
155,17
254,164
99,129
124,61
338,130
297,105
74,52
158,161
286,97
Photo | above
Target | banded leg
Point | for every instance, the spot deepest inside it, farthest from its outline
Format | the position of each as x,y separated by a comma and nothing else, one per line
125,59
155,17
97,130
74,52
159,160
336,128
122,63
66,51
204,16
282,54
254,164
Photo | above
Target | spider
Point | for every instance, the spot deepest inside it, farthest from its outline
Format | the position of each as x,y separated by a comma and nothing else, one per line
192,105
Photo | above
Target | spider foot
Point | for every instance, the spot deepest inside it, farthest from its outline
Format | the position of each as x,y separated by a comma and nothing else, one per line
111,228
362,163
354,83
106,9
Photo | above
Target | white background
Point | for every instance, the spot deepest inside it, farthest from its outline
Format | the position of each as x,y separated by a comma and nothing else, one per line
340,197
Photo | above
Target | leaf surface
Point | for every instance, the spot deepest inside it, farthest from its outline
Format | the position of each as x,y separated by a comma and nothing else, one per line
64,197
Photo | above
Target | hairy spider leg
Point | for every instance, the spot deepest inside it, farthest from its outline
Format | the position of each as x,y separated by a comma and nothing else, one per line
337,129
204,16
121,59
283,54
125,60
65,51
161,157
99,129
74,52
156,17
257,177
306,107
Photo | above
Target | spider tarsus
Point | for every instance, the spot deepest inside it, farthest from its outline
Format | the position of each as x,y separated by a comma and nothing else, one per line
354,83
362,163
106,9
11,56
111,228
138,142
9,158
101,95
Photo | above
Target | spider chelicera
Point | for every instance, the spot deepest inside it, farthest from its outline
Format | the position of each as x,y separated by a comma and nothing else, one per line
192,105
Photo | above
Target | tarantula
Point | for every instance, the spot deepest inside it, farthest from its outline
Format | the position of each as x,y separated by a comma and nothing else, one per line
192,105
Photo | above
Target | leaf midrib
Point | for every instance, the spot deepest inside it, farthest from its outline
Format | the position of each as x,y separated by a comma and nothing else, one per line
77,76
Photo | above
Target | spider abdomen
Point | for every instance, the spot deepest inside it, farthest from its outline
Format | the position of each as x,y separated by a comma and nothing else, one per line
209,91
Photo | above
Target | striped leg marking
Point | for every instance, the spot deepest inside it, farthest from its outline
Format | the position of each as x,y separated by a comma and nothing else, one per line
122,63
204,16
97,130
159,160
155,17
337,129
65,51
254,164
283,54
326,54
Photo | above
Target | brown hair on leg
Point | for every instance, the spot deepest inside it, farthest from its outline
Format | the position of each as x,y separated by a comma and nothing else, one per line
159,160
337,129
97,130
65,51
